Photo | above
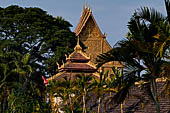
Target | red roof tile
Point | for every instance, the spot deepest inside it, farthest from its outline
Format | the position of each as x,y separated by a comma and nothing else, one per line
78,57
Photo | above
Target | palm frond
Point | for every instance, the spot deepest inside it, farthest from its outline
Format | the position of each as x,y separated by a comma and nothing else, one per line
150,14
162,42
123,83
106,57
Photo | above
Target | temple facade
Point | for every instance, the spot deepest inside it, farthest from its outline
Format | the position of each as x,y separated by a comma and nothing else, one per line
84,61
91,36
95,41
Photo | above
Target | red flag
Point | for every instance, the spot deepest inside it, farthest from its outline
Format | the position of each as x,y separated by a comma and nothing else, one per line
45,81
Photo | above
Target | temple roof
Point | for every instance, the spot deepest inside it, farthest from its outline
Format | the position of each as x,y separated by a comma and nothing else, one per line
76,62
63,74
83,67
78,55
87,13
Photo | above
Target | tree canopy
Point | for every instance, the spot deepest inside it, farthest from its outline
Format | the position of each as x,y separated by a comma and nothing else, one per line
32,30
31,42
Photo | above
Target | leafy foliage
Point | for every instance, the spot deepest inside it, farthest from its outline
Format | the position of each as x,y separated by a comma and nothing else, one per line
32,30
144,53
31,41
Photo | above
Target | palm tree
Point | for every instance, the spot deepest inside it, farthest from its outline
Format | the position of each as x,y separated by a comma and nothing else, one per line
68,90
63,89
113,85
162,46
99,86
138,54
84,86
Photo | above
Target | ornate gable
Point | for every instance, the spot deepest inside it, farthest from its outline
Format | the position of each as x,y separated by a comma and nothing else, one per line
91,35
87,24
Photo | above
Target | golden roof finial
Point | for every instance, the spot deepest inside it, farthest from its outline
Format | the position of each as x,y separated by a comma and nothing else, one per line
78,47
88,6
58,64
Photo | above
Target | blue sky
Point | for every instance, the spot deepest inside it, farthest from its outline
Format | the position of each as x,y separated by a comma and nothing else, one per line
112,16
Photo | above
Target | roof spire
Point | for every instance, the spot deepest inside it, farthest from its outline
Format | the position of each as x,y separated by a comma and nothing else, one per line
78,47
78,41
88,6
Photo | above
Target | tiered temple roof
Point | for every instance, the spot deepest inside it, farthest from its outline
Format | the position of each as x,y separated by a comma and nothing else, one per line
91,36
76,63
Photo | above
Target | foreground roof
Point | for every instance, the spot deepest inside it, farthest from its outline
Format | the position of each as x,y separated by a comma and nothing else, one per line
76,63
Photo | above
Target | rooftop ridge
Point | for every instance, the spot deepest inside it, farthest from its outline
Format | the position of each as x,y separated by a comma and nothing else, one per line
83,20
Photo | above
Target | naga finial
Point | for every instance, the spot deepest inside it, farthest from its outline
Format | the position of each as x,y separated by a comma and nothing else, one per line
58,64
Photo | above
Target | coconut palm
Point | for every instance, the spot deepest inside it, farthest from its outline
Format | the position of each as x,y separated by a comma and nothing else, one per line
138,54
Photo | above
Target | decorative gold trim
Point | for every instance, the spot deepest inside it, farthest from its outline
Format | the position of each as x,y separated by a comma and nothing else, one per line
91,64
58,65
78,49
